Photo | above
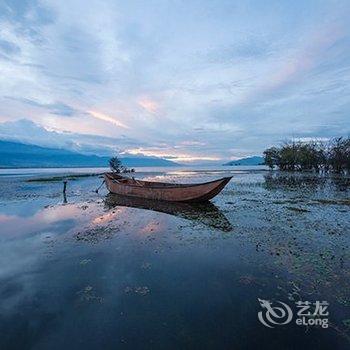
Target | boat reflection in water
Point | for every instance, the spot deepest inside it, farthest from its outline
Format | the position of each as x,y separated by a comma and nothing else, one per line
205,213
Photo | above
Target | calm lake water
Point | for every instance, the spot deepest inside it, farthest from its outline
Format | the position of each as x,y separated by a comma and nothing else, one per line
94,271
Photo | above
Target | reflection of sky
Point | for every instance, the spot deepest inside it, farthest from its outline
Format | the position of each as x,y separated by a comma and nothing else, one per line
41,220
26,209
66,284
152,227
189,81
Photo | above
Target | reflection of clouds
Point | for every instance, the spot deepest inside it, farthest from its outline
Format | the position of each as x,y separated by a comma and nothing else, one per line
109,216
152,227
17,225
5,218
26,241
33,285
17,259
22,240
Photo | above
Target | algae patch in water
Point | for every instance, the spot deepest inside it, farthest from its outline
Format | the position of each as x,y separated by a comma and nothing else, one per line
146,266
97,234
85,262
63,177
299,210
345,201
140,290
88,294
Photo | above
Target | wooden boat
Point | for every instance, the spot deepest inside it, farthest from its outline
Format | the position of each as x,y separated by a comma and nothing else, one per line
201,192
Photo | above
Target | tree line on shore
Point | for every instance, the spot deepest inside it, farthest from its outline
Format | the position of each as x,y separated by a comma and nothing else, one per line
318,156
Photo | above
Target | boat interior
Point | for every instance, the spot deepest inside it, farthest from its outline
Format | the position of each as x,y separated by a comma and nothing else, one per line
131,181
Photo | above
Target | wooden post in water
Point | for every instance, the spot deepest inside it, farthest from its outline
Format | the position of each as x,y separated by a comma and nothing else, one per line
64,191
64,186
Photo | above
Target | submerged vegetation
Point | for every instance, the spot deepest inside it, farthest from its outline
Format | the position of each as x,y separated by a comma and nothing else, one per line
60,178
330,156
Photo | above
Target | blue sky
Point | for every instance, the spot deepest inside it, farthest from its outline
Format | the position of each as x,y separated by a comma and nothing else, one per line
193,81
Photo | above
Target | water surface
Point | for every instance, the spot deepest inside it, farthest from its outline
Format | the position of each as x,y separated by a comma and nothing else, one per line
93,271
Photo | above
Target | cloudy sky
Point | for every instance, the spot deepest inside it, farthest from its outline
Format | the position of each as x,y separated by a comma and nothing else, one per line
185,80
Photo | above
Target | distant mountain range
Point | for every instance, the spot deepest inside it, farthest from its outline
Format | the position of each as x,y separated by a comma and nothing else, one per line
255,160
19,155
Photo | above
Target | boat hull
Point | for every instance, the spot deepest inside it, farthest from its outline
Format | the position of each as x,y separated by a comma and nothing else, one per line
165,191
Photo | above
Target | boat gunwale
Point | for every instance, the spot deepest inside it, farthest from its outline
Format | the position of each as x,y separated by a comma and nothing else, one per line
168,185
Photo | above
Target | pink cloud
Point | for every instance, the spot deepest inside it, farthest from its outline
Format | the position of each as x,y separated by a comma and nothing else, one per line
148,104
293,67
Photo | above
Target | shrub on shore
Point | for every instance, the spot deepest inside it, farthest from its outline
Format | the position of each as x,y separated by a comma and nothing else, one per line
117,166
331,156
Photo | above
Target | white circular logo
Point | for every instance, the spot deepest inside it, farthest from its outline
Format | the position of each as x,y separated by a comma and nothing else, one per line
274,315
